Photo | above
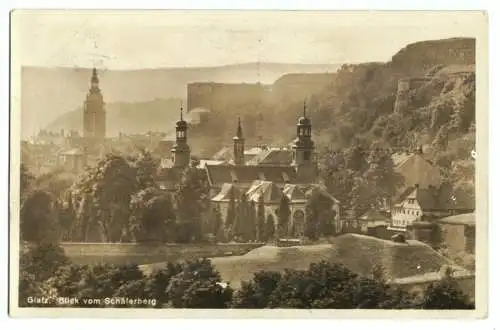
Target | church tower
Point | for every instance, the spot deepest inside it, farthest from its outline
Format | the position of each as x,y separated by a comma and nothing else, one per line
180,151
303,148
94,115
239,146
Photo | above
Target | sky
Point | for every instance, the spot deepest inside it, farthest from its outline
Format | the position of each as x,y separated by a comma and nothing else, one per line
151,39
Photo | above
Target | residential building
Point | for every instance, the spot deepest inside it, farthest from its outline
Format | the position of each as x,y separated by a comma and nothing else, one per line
427,204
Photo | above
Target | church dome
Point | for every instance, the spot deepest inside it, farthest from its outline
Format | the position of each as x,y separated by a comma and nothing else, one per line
304,121
181,124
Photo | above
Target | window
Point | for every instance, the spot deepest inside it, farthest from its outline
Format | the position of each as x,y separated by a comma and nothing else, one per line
307,155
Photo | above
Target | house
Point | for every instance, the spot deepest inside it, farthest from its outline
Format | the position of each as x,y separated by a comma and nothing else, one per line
73,160
425,204
373,223
415,169
458,232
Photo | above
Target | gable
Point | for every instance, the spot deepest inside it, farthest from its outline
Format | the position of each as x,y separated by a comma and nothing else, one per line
417,170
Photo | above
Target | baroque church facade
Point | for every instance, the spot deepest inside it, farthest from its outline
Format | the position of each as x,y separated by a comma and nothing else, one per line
295,178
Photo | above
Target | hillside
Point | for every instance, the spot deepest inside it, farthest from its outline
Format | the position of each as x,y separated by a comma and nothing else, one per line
358,253
48,93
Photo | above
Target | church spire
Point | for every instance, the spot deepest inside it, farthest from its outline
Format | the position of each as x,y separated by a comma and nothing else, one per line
239,131
303,147
94,115
239,145
181,152
94,78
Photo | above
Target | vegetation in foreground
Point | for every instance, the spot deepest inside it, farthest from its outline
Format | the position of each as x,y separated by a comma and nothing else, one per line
46,272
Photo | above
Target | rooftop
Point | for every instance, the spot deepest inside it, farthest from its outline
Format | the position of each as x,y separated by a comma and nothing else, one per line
219,174
461,219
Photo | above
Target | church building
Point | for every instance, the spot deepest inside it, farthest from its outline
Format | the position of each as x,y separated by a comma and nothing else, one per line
297,180
94,114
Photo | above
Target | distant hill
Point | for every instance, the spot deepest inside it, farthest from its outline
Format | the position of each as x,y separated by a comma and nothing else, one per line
130,118
48,93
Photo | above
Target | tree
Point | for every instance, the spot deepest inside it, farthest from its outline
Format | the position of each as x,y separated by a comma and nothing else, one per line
261,221
312,227
270,228
38,218
152,216
446,294
198,285
26,180
441,140
146,169
382,176
283,216
159,281
340,184
102,197
251,224
191,200
355,158
230,215
217,225
239,225
256,293
332,286
362,196
42,261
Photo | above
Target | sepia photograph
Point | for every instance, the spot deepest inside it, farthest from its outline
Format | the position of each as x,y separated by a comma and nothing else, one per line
248,163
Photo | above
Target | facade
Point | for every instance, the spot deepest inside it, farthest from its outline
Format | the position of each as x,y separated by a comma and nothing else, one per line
373,222
94,114
271,194
272,174
458,233
417,204
73,160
